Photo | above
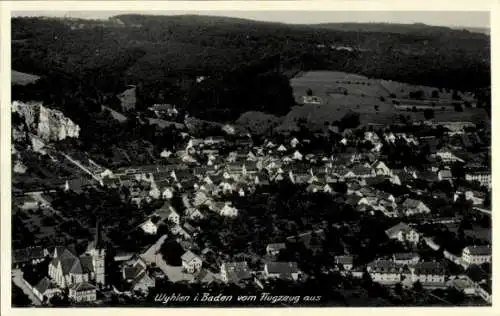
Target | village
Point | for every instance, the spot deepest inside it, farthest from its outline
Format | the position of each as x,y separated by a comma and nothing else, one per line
434,209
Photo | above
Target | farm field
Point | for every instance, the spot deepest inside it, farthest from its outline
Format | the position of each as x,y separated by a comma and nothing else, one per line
368,97
401,90
22,78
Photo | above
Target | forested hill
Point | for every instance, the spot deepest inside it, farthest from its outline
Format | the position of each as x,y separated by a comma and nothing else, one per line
163,56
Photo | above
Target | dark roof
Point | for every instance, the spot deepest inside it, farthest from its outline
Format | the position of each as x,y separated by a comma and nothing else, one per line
384,266
284,269
393,230
344,259
83,286
27,254
237,271
429,268
405,255
44,285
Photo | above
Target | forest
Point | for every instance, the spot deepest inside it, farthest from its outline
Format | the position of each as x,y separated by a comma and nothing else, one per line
243,61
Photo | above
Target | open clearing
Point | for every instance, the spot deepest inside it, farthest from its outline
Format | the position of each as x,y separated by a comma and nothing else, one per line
22,78
340,92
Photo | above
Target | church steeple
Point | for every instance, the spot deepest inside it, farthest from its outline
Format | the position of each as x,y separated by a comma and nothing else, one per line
98,242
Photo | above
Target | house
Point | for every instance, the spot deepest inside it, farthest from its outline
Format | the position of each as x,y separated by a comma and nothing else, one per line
135,277
464,285
153,222
169,213
235,272
408,258
345,262
412,206
384,271
483,177
428,272
82,292
297,155
381,168
274,249
30,255
281,149
447,155
282,270
180,231
26,202
191,262
228,210
294,142
361,171
476,197
46,289
445,175
167,193
476,254
194,213
403,233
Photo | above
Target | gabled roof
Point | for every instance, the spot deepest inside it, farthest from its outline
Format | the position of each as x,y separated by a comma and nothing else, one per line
44,285
82,286
405,255
276,246
384,266
397,228
480,250
344,259
237,271
429,268
411,203
284,269
188,256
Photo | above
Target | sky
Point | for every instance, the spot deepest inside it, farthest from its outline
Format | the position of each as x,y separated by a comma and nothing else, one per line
438,18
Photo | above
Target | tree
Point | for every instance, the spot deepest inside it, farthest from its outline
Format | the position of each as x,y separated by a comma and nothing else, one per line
435,94
382,99
429,114
417,286
398,288
414,109
309,92
458,107
376,107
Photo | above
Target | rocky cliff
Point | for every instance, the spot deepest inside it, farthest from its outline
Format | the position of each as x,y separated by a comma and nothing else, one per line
48,124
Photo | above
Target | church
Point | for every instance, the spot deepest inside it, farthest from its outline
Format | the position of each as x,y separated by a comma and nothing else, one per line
68,270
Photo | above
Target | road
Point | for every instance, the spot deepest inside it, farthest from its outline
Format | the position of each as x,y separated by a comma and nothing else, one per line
17,278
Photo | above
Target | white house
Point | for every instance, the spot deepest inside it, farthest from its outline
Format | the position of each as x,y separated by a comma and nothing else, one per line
168,193
412,206
476,254
403,233
297,155
228,210
191,262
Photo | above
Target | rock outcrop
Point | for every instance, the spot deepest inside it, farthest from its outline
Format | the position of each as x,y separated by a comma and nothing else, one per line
48,124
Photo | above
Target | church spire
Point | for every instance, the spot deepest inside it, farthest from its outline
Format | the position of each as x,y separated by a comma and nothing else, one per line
98,242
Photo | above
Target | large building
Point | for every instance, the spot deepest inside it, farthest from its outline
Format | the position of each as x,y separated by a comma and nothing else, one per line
67,268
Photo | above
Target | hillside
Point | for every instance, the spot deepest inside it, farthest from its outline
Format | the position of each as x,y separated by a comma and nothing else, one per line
246,63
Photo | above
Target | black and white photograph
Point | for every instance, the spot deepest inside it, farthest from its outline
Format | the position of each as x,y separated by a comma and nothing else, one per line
218,158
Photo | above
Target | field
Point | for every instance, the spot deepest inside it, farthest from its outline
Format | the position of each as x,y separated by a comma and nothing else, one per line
369,97
22,78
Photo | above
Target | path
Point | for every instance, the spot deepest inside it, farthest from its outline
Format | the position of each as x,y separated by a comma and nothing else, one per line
17,278
82,167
